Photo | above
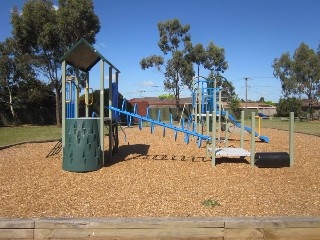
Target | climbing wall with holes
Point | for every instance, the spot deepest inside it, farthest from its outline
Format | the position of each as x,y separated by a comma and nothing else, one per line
82,151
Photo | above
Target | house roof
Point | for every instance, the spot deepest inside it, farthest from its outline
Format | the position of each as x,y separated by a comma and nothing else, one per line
255,105
305,103
84,56
161,101
155,101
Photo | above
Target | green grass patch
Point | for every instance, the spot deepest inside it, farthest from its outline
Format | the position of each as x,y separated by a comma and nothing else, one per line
11,135
309,127
211,203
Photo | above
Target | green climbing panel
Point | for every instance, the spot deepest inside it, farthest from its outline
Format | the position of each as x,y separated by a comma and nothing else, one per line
82,150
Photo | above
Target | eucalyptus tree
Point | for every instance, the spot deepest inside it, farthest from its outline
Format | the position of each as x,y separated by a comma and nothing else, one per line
215,59
228,90
198,55
46,31
14,70
300,74
211,58
176,68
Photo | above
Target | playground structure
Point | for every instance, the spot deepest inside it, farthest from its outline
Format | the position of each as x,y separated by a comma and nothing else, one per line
206,108
83,138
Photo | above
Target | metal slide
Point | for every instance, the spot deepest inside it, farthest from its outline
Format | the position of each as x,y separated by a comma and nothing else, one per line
234,121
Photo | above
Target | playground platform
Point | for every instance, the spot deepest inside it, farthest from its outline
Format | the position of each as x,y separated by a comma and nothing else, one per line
231,152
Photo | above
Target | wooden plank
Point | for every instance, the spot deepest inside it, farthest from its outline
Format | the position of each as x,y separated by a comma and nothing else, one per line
239,234
273,233
16,234
16,223
282,222
128,223
168,233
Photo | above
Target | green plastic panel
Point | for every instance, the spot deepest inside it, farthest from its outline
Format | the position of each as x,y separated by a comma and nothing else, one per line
82,151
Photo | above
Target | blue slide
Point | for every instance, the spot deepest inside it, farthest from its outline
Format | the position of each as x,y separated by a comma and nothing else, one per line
235,122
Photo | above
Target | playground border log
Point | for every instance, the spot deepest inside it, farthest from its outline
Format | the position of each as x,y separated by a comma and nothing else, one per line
161,228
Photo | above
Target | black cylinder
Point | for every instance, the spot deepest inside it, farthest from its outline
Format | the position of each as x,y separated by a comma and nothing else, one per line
272,159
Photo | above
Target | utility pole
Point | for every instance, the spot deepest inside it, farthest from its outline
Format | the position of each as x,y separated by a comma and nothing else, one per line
246,79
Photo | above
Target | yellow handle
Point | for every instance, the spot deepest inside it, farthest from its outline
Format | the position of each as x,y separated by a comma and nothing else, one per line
70,91
87,92
259,119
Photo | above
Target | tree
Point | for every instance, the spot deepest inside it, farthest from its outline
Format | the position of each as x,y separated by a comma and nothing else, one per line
287,105
45,32
227,88
198,55
14,70
261,99
211,58
234,104
166,96
215,60
299,75
176,69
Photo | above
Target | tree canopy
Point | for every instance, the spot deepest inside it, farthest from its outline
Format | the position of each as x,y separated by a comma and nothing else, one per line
177,68
45,32
300,74
288,105
14,70
19,87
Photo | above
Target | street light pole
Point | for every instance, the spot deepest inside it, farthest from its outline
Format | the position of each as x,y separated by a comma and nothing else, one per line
246,79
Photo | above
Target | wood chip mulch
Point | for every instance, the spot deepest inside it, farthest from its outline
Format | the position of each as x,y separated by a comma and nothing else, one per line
155,176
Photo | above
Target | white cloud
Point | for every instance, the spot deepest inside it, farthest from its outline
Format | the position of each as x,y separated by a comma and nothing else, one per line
148,83
100,45
55,7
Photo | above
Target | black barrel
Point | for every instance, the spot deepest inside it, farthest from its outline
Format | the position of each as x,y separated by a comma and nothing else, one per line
272,159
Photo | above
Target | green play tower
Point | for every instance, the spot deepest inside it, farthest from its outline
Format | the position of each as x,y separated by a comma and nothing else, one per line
83,137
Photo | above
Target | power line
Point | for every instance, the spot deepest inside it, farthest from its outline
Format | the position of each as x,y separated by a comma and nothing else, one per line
262,77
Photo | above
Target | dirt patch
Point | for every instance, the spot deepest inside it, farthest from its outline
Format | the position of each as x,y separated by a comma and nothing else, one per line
155,176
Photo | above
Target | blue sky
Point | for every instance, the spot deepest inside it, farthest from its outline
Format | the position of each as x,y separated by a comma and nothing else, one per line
252,32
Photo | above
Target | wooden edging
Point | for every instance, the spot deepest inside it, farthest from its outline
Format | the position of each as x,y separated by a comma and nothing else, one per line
161,228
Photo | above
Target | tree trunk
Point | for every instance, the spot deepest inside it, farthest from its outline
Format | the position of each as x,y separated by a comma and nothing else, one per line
310,107
177,95
13,112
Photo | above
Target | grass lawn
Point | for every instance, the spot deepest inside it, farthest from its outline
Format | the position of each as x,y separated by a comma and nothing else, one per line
310,127
10,135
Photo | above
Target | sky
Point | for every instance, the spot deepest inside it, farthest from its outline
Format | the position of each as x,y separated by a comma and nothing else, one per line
252,32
